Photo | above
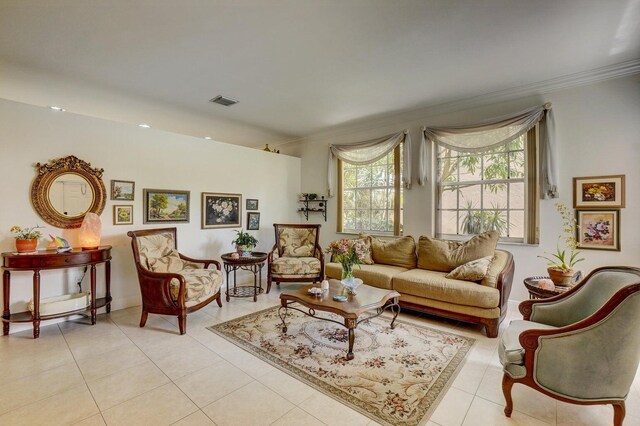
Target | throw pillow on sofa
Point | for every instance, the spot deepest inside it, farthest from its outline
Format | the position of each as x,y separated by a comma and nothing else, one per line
366,240
394,251
475,270
445,256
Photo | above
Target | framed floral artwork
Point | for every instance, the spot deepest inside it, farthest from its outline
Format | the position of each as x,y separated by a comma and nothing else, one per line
221,210
598,229
122,190
123,215
252,204
253,221
165,206
598,192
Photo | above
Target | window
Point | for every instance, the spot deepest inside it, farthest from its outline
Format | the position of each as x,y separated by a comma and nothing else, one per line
491,190
370,196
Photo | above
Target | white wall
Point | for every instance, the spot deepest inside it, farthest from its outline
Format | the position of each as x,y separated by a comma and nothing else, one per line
153,159
597,128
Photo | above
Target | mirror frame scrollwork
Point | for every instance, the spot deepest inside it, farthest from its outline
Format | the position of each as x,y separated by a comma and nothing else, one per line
48,172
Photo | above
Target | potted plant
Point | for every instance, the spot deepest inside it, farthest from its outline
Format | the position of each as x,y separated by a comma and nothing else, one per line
244,243
348,253
561,263
26,238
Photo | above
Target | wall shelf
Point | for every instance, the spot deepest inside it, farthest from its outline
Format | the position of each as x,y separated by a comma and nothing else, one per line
313,206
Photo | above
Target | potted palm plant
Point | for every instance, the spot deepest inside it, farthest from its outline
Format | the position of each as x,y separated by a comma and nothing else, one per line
244,243
561,263
26,238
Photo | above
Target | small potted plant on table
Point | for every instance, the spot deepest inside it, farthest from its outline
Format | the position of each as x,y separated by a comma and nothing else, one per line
26,238
244,243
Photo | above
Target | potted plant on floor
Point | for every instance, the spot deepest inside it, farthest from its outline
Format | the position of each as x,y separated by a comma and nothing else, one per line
26,238
561,263
244,243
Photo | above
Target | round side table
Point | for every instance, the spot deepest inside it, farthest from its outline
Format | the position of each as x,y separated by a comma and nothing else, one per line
254,264
536,292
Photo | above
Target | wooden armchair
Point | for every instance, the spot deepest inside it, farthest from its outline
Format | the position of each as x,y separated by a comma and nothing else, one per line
171,283
581,347
296,256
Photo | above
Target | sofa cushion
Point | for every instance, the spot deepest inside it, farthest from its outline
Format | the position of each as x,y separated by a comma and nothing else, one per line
295,267
155,246
201,284
434,285
375,275
475,270
445,256
297,242
394,251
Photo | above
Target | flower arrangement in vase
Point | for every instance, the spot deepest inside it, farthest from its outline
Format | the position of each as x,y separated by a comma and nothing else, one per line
244,243
560,264
26,238
348,253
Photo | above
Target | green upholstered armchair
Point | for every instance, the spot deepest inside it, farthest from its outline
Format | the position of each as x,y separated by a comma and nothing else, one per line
581,347
296,255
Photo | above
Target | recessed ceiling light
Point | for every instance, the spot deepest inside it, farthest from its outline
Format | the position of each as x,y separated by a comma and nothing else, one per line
57,108
208,138
223,100
144,126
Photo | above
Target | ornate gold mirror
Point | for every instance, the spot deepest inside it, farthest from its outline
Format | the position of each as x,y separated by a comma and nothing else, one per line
65,189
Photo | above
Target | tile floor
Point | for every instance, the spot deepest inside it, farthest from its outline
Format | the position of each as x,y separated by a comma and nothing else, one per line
116,373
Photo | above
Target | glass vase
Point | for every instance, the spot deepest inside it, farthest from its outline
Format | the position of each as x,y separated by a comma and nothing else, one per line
347,271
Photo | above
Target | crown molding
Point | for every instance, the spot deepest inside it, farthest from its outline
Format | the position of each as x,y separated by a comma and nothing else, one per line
582,78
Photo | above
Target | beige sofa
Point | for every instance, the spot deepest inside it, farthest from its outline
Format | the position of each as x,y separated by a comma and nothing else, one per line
400,266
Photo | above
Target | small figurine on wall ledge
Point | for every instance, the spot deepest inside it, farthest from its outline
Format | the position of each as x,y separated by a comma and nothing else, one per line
275,151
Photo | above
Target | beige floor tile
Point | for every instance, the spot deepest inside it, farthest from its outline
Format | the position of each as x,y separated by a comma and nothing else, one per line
483,413
297,417
21,361
525,399
39,386
162,406
196,419
253,404
95,420
181,359
470,376
291,389
452,408
212,383
586,415
64,408
126,384
331,412
88,345
111,362
248,363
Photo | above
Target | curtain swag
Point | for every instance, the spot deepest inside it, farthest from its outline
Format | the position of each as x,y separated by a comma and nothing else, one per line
369,151
494,133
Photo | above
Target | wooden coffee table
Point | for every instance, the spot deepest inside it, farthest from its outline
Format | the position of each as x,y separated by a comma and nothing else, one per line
368,299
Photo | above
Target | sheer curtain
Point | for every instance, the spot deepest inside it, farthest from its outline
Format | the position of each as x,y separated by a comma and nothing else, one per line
493,133
369,151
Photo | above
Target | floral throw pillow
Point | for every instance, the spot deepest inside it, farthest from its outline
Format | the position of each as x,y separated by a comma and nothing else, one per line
475,270
366,242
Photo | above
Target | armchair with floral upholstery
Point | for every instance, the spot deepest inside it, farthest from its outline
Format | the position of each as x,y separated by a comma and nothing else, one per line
171,283
581,347
296,255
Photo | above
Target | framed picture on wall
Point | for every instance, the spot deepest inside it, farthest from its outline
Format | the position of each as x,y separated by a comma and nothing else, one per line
598,229
253,221
123,190
123,215
598,192
165,206
252,204
221,210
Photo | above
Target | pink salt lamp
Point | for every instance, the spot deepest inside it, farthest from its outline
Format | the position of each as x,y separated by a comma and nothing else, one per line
90,231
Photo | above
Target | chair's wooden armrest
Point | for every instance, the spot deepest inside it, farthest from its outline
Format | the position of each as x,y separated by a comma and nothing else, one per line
320,256
206,262
273,250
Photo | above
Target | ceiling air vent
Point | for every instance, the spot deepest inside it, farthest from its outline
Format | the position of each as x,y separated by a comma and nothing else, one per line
223,100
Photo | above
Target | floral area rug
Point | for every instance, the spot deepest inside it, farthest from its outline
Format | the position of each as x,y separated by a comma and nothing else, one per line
397,375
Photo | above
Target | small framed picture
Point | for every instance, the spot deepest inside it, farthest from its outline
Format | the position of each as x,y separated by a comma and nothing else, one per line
123,215
253,221
252,204
165,206
122,190
221,210
598,192
598,229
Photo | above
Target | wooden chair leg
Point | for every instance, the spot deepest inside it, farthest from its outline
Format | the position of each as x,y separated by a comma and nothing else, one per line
219,299
507,384
182,323
619,412
268,283
143,318
491,326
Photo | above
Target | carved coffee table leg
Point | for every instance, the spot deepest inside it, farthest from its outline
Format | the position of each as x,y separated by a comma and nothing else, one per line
282,313
351,326
395,308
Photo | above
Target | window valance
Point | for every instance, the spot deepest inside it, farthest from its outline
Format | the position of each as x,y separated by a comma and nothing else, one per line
369,151
492,134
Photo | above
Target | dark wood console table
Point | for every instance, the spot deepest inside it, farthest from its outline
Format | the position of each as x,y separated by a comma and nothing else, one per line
43,260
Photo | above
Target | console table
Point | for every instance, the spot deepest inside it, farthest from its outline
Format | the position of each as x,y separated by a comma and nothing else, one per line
44,260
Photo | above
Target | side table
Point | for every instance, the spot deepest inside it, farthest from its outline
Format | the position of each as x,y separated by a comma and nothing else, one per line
254,264
536,292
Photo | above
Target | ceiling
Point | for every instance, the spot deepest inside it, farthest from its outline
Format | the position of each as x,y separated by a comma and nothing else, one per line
299,67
